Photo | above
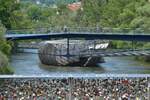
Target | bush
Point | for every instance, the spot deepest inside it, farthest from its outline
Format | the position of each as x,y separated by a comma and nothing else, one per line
4,46
4,69
120,45
3,60
5,49
2,31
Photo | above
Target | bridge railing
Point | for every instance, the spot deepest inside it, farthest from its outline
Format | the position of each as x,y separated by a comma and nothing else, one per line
79,29
29,31
109,30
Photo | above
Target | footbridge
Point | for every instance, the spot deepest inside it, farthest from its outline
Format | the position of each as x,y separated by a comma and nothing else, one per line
136,35
80,33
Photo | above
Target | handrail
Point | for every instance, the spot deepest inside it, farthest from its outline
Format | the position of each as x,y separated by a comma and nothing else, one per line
77,29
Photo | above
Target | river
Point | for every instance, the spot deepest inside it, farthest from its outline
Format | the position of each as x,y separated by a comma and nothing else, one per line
29,64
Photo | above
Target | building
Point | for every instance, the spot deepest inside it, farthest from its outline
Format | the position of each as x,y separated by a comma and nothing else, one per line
74,6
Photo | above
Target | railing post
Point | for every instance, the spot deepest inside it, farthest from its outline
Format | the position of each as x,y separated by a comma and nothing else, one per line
148,88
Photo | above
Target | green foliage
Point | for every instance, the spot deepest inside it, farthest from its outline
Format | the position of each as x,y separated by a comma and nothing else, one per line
2,31
137,22
121,45
4,46
3,60
147,45
5,49
105,13
6,9
4,65
144,10
21,20
34,12
92,12
6,70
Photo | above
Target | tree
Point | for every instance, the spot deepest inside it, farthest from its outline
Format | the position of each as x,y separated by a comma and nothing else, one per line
4,47
34,12
7,7
4,52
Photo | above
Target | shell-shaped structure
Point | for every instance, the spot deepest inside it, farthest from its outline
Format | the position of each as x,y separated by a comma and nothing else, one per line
55,53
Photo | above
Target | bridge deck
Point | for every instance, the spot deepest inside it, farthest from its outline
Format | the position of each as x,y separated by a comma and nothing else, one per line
84,35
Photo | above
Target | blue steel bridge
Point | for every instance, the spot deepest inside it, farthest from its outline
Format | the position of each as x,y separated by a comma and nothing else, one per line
81,35
137,35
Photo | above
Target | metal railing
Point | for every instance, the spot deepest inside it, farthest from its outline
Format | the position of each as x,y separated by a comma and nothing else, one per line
91,30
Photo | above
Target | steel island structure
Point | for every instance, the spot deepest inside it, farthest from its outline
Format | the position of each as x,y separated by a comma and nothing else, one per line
58,53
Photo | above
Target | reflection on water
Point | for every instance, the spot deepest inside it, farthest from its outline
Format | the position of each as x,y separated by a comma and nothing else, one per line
29,64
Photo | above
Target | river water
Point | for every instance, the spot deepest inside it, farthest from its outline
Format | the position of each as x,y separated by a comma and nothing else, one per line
29,64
